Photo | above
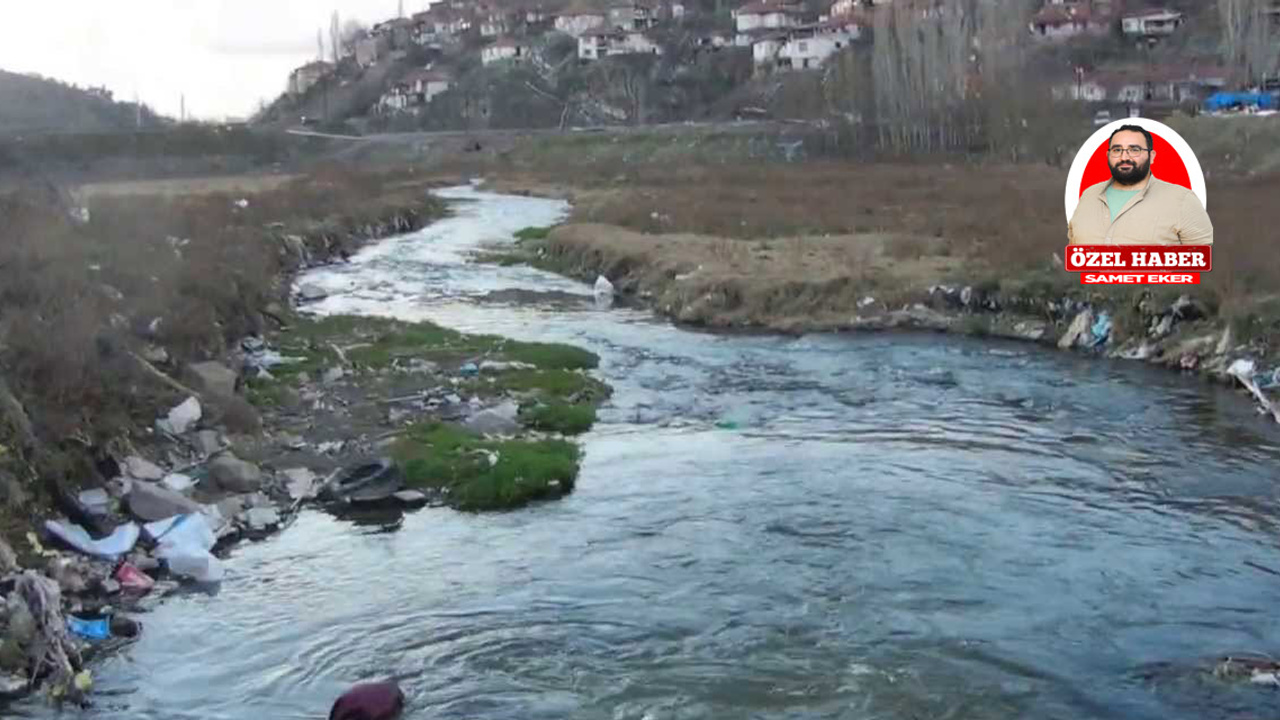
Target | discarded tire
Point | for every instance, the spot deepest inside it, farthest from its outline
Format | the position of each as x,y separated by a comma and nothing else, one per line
369,482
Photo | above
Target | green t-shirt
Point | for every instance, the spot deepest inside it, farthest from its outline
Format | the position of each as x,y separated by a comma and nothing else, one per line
1116,199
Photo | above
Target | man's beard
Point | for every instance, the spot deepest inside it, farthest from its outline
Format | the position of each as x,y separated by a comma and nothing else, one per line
1135,174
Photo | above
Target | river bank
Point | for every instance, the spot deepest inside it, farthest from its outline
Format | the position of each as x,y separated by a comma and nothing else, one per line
230,410
828,247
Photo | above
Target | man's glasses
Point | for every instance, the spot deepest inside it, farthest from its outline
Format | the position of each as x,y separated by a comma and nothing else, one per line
1133,150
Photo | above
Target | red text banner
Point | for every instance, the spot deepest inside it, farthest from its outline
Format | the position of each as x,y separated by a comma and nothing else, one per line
1141,259
1131,278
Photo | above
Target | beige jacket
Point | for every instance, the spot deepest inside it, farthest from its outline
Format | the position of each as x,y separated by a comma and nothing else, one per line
1160,214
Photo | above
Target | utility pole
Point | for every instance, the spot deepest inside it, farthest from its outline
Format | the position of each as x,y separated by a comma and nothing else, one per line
401,13
182,112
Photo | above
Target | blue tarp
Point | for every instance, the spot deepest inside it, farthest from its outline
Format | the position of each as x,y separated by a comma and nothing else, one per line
1223,100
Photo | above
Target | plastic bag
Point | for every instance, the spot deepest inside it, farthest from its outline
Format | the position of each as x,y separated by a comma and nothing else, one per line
184,542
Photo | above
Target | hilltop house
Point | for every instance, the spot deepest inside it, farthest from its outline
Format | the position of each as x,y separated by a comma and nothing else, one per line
504,49
1151,23
634,14
495,24
603,42
395,34
304,78
1060,20
580,18
804,47
766,15
415,89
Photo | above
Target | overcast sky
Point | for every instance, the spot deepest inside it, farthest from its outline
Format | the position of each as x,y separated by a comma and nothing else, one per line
224,55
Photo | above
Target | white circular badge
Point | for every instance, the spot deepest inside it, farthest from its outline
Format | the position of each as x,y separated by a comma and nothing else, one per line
1076,176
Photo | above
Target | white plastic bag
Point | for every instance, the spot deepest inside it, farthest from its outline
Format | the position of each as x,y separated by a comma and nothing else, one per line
183,542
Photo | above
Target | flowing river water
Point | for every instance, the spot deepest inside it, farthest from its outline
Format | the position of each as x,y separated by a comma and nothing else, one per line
875,526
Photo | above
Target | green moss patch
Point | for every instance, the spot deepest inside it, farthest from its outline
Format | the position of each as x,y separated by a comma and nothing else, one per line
533,233
486,475
558,417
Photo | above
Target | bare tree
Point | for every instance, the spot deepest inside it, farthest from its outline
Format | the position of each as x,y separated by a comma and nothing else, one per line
335,38
319,44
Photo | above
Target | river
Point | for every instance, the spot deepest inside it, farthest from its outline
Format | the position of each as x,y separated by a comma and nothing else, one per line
876,526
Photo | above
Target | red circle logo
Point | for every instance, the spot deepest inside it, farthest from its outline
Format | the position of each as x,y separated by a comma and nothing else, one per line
1167,166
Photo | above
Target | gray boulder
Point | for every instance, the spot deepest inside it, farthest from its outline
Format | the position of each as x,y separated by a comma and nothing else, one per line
208,442
151,502
1078,333
231,474
213,378
142,469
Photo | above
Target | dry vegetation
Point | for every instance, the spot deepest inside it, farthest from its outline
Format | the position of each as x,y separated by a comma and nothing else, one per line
188,274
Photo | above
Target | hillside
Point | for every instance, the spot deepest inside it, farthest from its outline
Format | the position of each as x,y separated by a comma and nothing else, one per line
31,104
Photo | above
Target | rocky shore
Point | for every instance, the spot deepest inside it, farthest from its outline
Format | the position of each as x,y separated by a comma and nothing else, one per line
293,416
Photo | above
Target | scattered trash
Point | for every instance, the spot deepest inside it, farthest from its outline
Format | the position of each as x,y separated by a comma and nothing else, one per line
866,302
181,417
469,370
498,420
300,483
178,482
333,375
184,542
495,366
97,629
117,543
1101,329
261,518
330,447
727,425
603,291
131,578
242,203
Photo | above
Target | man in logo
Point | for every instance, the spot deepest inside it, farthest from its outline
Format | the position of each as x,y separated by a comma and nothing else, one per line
1135,208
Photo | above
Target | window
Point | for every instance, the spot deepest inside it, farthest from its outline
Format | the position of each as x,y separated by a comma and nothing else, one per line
804,46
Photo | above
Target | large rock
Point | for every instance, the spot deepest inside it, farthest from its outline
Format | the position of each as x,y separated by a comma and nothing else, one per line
1078,333
232,474
213,378
141,469
208,442
151,502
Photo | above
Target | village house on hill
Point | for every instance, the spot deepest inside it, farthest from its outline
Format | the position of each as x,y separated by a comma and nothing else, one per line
610,41
1151,24
579,18
505,49
414,90
304,78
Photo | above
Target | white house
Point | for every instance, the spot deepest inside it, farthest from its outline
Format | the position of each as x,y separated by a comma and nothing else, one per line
504,49
634,14
806,47
415,89
579,19
677,10
1153,23
494,25
766,16
603,42
1059,21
